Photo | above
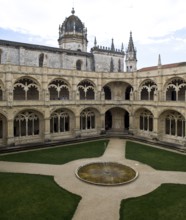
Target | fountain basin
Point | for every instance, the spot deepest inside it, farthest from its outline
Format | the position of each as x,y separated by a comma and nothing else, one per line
106,173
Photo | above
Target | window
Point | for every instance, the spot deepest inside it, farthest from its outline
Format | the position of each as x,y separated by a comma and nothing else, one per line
146,121
41,59
87,120
26,124
59,122
78,65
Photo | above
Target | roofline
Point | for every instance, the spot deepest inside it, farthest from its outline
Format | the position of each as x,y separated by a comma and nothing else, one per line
169,65
42,48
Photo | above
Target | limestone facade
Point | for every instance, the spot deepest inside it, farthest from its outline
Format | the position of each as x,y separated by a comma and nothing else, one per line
49,94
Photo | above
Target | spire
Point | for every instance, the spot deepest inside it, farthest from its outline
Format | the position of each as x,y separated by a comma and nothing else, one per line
131,44
159,60
122,47
95,42
73,11
112,45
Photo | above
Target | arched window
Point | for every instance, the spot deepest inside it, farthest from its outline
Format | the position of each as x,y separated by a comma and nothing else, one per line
41,59
78,64
59,122
58,90
146,121
26,123
176,90
86,90
107,92
26,89
174,124
147,90
87,120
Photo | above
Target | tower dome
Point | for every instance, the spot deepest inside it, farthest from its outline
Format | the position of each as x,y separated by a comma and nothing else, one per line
73,34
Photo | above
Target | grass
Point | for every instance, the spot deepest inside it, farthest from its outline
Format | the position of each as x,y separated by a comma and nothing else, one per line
59,155
156,158
165,203
25,196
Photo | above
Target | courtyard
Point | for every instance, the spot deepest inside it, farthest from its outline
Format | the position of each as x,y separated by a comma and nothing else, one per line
161,183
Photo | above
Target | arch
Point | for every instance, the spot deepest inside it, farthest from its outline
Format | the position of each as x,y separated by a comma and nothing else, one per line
175,90
147,90
86,90
27,123
144,120
120,90
117,119
59,90
172,123
79,64
87,119
26,89
60,121
107,91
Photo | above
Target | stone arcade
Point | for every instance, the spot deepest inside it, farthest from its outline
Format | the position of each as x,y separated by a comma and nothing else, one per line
49,93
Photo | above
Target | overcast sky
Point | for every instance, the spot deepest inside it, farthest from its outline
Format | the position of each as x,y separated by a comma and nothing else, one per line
158,26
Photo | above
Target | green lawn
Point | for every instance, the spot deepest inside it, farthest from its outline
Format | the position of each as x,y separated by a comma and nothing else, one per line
156,158
60,155
165,203
34,197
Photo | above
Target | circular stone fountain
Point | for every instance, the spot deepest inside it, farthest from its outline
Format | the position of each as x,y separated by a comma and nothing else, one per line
106,173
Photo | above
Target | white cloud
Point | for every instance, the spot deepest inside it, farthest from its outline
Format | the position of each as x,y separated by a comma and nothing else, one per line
152,22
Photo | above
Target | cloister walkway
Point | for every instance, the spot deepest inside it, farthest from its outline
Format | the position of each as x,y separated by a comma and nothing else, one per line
100,202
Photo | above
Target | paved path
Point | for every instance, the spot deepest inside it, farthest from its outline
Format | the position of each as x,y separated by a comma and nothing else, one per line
100,202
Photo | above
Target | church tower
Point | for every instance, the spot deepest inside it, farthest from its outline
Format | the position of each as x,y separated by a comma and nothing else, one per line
131,59
73,34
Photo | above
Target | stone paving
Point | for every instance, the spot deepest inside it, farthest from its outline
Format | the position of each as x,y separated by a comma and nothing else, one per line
100,202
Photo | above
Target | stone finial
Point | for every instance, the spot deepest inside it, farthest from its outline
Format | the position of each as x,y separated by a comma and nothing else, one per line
159,61
73,11
122,47
112,45
95,42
